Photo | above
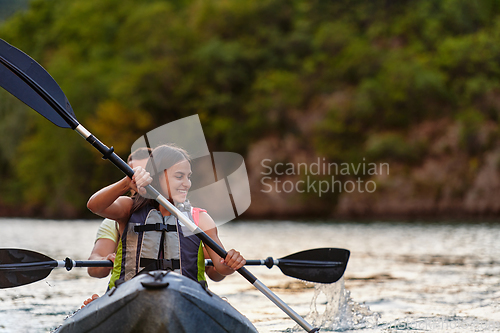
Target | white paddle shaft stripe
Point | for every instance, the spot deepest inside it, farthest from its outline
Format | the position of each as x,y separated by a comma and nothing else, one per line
83,131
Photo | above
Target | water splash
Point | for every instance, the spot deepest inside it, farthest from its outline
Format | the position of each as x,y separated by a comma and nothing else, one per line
341,312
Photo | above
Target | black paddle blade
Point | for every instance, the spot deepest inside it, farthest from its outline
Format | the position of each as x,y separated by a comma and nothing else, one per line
326,265
20,89
19,267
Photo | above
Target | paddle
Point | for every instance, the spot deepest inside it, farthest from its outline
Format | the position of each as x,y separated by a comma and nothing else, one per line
19,267
326,265
29,75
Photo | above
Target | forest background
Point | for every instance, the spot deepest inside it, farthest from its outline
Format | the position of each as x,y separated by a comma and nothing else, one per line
414,84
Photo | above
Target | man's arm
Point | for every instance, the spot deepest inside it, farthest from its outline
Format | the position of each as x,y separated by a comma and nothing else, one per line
104,249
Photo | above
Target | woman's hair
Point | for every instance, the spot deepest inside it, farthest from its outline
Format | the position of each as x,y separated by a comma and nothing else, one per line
161,158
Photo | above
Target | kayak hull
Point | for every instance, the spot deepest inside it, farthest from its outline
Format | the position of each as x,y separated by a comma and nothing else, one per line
158,302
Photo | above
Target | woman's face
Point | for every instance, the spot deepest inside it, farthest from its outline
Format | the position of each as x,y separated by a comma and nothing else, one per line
177,181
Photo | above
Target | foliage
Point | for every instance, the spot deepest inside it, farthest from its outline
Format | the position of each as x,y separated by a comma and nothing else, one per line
9,7
249,69
394,147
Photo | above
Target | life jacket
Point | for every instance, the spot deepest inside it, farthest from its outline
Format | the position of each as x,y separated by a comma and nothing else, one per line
151,241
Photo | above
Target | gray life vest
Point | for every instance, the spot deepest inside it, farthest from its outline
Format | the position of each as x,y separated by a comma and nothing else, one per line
152,241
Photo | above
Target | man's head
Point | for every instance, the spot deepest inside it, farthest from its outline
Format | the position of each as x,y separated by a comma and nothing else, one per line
139,157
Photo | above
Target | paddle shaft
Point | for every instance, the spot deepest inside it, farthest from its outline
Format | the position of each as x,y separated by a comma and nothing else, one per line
270,262
252,262
108,153
68,264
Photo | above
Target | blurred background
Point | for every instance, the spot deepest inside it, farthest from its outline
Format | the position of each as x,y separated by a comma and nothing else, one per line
412,84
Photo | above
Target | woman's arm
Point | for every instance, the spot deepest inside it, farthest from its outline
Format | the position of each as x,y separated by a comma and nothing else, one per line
110,201
222,267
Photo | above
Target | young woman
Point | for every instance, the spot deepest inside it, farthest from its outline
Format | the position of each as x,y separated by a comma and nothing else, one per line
151,237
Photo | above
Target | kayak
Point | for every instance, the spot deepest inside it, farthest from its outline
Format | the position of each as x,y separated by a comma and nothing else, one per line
158,301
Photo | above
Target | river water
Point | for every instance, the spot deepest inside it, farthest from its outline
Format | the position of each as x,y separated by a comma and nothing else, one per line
411,277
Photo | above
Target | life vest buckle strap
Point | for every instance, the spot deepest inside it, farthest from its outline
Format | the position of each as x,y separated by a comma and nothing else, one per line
160,264
155,227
